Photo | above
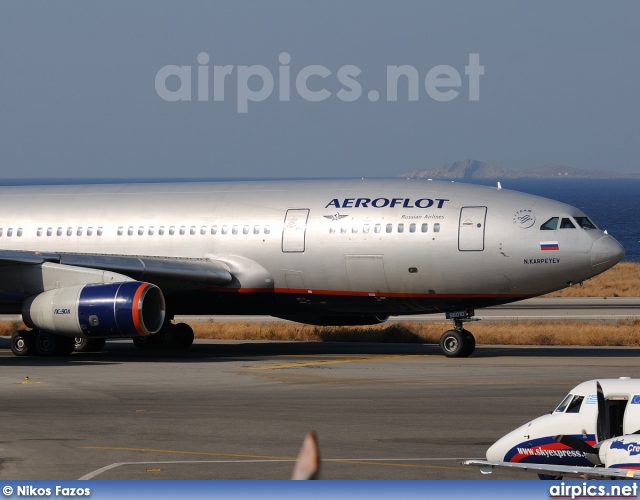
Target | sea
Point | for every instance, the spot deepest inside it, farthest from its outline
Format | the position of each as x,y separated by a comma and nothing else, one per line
612,204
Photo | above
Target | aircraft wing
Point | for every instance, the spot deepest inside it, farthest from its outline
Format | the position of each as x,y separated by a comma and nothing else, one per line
487,467
205,272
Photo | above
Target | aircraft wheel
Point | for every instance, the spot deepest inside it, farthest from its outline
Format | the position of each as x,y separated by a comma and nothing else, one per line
145,342
50,344
185,335
168,337
454,344
471,343
64,345
23,343
83,344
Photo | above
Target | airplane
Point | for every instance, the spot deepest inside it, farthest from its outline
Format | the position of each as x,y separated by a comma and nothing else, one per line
593,433
93,262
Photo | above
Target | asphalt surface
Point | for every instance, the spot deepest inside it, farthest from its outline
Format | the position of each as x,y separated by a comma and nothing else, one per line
239,410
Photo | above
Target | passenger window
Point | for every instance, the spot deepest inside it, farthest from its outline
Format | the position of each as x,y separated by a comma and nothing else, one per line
267,229
49,231
365,228
0,231
183,230
224,229
130,231
192,230
39,232
256,229
99,231
425,228
59,232
550,225
234,230
332,230
436,227
172,230
585,223
151,231
161,230
214,229
574,406
10,231
389,228
140,230
120,231
79,232
245,229
203,230
89,231
354,229
69,231
343,230
401,228
567,224
412,228
19,233
377,228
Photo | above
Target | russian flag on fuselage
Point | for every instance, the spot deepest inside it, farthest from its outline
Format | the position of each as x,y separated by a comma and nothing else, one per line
549,245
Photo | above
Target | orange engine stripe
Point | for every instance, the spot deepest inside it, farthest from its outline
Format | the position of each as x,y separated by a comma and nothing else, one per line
135,310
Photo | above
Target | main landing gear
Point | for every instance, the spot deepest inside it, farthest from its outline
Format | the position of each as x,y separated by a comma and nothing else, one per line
32,342
171,336
458,343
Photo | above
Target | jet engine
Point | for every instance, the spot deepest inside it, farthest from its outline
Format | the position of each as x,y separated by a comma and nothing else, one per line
128,309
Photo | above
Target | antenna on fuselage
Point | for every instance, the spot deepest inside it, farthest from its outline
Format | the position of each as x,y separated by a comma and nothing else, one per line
499,185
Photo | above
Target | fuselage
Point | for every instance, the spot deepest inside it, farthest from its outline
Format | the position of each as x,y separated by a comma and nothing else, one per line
342,247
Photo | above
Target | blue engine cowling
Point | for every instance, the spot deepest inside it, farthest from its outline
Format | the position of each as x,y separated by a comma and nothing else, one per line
128,309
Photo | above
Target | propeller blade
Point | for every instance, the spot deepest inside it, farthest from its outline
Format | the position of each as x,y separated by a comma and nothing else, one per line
602,429
590,452
575,443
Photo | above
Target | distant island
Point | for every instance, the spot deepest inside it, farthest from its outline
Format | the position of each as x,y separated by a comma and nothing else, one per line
474,169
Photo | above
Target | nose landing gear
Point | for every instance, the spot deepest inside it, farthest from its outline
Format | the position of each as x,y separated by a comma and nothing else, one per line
458,343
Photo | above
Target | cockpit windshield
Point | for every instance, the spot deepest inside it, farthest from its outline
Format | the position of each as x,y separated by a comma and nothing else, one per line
570,404
564,404
585,223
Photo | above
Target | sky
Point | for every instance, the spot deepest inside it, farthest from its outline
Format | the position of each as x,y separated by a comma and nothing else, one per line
280,89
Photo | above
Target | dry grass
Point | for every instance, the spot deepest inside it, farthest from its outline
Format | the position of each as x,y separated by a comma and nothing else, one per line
622,333
583,333
622,280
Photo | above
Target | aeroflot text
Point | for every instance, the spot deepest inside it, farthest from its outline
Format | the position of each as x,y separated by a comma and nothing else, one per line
385,202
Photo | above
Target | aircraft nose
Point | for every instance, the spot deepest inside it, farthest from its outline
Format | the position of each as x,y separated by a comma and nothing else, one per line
498,450
605,253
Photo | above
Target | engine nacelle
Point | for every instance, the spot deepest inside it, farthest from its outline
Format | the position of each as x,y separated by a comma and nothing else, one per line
622,452
128,309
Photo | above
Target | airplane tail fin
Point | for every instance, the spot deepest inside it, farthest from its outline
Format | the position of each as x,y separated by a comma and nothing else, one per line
308,463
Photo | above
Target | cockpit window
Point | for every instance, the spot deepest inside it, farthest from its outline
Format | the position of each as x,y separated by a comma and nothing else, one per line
567,224
550,225
574,406
585,223
564,404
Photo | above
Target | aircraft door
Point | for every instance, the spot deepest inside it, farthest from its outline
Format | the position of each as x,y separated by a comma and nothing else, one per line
295,229
471,228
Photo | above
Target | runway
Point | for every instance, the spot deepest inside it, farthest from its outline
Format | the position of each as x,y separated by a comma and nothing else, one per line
239,410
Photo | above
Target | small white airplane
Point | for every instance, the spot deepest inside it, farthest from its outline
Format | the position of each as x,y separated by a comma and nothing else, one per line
593,433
